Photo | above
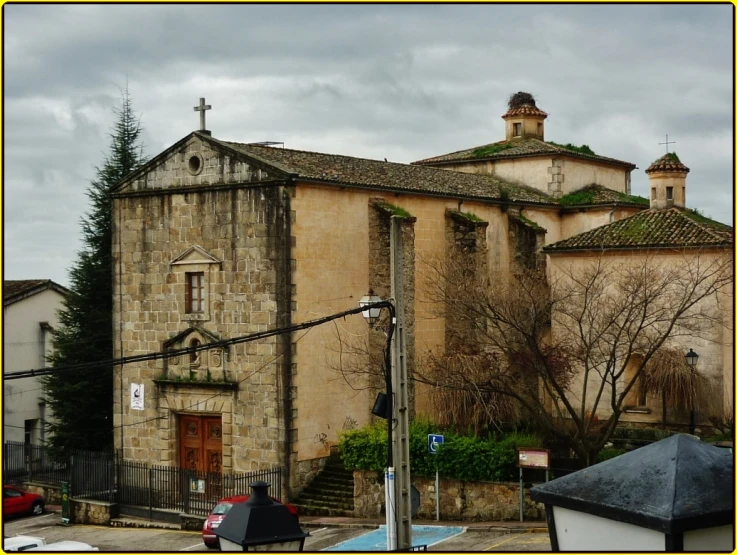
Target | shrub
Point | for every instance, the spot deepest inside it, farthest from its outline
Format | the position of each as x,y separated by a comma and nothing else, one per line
609,453
463,457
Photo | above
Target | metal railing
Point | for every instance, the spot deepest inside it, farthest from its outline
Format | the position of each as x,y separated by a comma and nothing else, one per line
182,489
103,476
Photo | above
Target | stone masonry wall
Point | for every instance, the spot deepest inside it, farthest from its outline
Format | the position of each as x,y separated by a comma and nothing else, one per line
92,512
242,237
459,500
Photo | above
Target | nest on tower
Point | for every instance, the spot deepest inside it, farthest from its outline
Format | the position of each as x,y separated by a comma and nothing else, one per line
519,99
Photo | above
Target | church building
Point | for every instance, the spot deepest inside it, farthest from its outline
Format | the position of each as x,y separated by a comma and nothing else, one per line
215,239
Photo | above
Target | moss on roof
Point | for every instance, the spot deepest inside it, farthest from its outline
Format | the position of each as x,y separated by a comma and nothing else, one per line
583,149
349,170
490,150
669,162
669,228
698,217
597,194
518,148
394,210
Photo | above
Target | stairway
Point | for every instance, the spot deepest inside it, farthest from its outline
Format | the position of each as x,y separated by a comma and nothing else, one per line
330,493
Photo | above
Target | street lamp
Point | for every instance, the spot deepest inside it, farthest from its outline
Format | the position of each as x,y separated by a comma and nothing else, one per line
372,312
692,358
383,408
260,524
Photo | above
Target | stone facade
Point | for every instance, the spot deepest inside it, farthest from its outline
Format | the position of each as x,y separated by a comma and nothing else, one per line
459,500
238,239
273,248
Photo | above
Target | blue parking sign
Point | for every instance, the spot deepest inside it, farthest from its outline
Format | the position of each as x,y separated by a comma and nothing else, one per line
433,442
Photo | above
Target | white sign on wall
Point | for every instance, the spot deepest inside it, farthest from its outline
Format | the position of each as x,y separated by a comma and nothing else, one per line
137,396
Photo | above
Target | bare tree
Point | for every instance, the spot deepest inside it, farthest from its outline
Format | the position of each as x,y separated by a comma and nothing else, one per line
569,349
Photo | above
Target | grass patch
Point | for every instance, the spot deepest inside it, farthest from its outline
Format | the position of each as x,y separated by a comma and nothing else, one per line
472,217
395,210
490,150
529,222
583,149
590,195
698,217
673,157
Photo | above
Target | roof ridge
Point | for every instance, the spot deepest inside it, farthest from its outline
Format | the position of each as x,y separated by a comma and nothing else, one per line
682,212
315,152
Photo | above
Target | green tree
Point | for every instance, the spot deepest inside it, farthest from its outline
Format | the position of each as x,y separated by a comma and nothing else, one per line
81,401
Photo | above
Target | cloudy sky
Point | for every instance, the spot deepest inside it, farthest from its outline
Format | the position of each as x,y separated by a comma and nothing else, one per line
403,82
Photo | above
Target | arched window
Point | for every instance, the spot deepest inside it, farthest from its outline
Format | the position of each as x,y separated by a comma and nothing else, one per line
637,395
194,357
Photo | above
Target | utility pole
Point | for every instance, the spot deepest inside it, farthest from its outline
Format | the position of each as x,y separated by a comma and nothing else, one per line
400,439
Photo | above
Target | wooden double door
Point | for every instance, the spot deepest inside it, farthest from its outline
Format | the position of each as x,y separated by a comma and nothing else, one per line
201,442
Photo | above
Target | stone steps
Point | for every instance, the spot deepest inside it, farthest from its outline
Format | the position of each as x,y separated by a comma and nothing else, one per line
329,494
316,510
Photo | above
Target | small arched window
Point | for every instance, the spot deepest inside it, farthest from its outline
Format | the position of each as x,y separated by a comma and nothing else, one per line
194,357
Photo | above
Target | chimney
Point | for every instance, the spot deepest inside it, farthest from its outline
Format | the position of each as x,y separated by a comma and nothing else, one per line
523,119
667,182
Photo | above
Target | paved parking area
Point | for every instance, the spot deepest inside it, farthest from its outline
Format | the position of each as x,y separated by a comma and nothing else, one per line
151,539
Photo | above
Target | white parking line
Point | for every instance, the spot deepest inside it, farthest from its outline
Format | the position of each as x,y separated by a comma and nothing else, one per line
192,547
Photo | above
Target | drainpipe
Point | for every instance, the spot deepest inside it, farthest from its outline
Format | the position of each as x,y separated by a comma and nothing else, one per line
611,214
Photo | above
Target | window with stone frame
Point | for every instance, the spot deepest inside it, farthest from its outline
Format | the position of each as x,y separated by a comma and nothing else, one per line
653,193
195,293
669,193
517,129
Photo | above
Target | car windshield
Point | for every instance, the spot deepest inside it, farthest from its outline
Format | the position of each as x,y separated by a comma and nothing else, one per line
221,508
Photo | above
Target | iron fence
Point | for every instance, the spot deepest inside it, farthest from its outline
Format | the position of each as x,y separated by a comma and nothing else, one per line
104,476
190,491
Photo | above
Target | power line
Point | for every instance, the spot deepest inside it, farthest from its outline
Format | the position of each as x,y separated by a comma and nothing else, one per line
206,347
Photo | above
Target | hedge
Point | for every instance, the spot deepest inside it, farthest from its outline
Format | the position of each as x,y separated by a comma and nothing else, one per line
460,457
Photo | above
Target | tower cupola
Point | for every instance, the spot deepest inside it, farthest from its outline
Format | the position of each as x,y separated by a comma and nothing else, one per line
523,118
667,182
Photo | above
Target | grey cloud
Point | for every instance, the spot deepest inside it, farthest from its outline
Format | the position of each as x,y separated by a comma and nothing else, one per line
398,81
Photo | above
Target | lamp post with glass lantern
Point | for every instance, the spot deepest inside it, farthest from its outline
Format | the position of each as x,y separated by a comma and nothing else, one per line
373,305
692,358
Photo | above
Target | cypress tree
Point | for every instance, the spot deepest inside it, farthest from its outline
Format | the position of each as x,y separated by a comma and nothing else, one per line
81,402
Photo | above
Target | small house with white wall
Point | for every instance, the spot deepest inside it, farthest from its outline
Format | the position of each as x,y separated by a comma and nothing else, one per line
30,308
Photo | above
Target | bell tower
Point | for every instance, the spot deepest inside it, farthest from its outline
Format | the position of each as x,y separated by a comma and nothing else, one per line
667,182
524,120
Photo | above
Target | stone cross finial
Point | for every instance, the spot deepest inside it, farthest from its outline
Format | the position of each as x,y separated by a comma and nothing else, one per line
666,143
201,109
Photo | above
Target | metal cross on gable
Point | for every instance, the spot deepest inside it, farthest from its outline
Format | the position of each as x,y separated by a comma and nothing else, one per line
666,143
201,109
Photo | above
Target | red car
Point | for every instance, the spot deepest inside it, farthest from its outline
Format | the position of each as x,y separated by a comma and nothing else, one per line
218,514
19,502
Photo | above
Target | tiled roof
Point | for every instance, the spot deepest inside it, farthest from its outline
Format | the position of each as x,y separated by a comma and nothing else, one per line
15,288
516,148
525,110
597,194
347,170
667,163
671,227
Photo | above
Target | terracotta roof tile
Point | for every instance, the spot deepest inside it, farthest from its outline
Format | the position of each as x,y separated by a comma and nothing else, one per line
516,148
667,163
348,170
14,288
525,110
672,227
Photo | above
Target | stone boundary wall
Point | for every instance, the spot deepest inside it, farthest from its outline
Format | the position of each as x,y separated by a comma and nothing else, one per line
52,494
85,511
459,500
